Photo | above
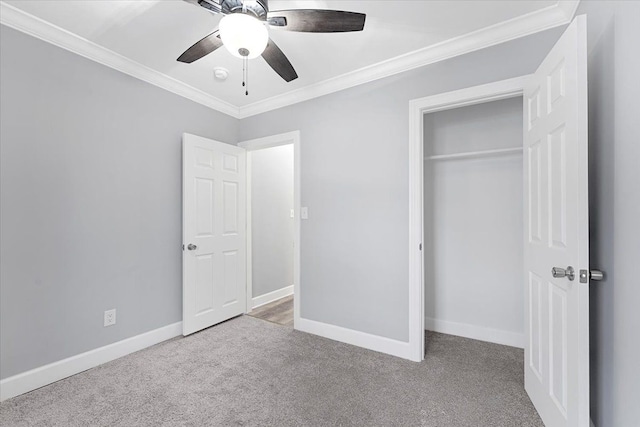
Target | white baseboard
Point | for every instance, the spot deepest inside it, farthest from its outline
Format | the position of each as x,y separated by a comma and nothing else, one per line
357,338
271,296
480,333
47,374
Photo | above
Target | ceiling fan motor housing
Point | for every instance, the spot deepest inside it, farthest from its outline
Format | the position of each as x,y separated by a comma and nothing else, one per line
257,8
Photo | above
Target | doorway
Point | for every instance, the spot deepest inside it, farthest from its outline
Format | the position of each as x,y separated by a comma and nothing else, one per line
273,228
473,222
474,96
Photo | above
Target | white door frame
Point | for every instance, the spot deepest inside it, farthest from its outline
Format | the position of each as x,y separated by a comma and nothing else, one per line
417,109
261,144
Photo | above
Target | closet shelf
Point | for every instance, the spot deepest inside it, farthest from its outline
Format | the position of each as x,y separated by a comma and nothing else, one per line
470,154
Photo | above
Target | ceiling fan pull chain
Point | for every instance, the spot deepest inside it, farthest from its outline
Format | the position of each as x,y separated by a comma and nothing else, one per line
245,75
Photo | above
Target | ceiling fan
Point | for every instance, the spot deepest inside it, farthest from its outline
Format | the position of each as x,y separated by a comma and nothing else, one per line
243,30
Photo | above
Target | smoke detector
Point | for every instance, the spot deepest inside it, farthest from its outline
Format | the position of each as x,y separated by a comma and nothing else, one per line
220,74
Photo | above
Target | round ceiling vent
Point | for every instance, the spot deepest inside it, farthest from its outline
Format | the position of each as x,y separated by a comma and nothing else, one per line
220,74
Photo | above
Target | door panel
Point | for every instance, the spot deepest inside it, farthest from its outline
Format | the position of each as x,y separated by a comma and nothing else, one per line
557,235
535,324
231,266
230,194
204,207
214,220
204,277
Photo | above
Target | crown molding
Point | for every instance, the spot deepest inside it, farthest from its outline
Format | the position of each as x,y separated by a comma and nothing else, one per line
569,8
19,20
553,16
521,26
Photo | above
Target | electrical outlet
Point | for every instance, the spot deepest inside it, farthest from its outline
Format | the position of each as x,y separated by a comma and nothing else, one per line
110,317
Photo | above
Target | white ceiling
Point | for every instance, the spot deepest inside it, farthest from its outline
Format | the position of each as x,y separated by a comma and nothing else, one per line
154,33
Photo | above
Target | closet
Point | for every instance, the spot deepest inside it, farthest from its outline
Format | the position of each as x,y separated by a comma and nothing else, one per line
473,230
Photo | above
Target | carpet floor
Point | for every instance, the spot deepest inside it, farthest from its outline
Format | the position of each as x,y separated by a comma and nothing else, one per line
248,372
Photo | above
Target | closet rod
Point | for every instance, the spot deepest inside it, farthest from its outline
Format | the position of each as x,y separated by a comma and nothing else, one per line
474,154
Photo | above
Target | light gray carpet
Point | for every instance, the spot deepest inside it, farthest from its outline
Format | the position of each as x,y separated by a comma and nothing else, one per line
248,372
279,311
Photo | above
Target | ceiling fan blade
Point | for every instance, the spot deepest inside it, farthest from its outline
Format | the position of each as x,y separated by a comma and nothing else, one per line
316,20
279,62
201,48
212,6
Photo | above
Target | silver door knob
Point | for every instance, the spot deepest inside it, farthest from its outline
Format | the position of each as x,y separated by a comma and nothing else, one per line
192,247
558,272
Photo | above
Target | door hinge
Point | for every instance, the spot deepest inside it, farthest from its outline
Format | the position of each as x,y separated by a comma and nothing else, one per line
183,247
420,246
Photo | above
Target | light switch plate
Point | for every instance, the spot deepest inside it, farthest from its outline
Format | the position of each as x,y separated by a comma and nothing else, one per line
304,213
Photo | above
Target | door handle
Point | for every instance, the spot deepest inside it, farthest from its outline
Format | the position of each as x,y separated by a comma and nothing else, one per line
192,247
558,272
586,275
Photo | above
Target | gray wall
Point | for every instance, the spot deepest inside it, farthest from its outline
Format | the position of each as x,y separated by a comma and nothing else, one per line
474,219
614,138
271,222
90,202
354,154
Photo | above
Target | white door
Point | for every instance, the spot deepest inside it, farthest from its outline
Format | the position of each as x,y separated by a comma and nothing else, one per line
214,232
557,233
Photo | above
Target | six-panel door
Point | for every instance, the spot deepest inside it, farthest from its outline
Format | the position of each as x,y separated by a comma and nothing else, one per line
557,233
214,232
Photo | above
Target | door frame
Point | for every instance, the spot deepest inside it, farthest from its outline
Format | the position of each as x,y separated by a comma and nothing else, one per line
494,91
289,138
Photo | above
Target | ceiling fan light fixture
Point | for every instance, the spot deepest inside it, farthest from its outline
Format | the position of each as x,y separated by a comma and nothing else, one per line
243,35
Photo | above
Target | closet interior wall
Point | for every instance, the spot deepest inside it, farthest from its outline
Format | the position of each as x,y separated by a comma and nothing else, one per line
473,225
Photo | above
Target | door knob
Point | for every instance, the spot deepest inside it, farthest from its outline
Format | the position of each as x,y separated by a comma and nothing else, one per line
558,272
192,247
596,275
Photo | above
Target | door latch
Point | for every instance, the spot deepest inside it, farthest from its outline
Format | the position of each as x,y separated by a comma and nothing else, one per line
586,275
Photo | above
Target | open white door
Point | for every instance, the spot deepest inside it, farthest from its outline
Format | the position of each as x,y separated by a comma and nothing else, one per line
214,232
557,233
